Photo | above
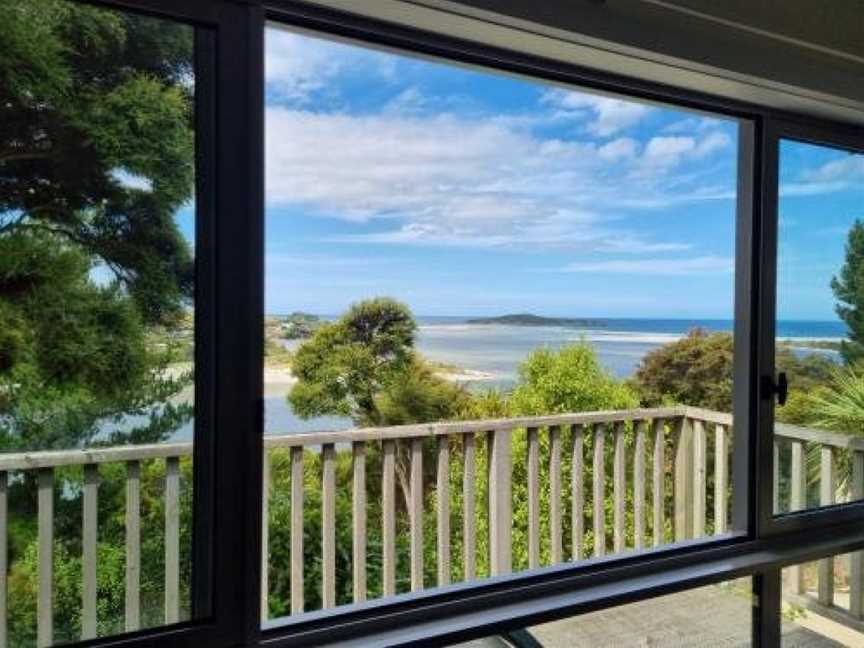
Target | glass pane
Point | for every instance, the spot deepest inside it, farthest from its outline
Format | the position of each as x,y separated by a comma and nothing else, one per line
448,244
820,294
822,603
96,321
675,620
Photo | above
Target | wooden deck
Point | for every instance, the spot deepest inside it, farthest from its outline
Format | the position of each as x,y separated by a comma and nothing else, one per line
708,617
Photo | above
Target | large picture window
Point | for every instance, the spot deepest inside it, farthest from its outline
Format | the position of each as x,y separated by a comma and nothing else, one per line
499,323
319,328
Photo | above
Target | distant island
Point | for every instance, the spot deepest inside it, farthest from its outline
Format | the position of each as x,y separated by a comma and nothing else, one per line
528,319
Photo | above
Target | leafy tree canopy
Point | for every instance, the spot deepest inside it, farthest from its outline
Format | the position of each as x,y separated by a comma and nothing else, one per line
364,366
71,352
88,99
568,380
697,370
848,288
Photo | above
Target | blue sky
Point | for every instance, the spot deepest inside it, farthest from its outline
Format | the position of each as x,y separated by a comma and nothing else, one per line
463,192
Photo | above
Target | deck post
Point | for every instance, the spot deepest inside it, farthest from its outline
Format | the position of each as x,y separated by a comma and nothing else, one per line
555,523
500,501
658,490
533,498
599,491
577,492
358,519
684,480
639,487
469,520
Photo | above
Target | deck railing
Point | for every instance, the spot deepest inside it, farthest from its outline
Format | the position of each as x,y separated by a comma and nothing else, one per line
647,449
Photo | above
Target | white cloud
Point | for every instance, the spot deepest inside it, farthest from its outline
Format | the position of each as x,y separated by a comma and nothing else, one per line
623,148
469,181
836,175
661,266
297,66
300,68
608,115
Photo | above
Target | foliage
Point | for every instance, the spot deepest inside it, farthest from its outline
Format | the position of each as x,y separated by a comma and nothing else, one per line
840,407
568,380
88,95
346,365
848,289
74,353
697,370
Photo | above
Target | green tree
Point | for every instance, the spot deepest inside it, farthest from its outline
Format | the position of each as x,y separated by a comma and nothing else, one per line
88,97
347,365
697,370
848,289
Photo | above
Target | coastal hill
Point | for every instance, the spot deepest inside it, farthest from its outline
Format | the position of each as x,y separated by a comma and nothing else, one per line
529,319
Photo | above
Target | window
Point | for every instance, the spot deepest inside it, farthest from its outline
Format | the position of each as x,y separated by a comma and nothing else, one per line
449,245
818,446
97,312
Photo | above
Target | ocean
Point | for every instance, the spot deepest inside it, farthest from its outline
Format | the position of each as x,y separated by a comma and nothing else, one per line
496,351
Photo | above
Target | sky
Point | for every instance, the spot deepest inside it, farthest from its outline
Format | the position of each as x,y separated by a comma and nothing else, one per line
467,192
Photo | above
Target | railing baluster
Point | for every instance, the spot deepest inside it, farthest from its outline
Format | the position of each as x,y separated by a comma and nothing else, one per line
328,526
798,501
44,607
657,485
443,496
172,540
856,558
619,486
775,480
533,498
388,517
500,501
133,546
826,497
266,486
297,603
721,478
358,519
555,530
415,517
469,546
89,539
577,492
4,557
639,487
599,494
684,481
700,476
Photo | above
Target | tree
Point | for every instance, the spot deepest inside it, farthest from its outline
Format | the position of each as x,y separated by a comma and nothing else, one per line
697,370
73,354
89,97
345,367
848,288
96,156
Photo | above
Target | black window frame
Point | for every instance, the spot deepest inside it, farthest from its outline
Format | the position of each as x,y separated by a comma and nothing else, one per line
229,436
839,137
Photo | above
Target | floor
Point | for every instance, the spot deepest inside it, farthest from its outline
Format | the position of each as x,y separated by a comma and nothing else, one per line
708,616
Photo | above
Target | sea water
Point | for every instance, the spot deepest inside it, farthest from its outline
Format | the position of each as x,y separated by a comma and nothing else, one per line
497,350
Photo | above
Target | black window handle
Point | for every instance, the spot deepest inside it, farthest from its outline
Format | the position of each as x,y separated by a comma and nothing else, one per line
780,388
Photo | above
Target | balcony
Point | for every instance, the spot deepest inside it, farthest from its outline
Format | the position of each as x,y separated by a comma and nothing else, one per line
453,501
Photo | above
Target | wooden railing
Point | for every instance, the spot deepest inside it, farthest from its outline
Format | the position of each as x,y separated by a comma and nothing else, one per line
646,449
